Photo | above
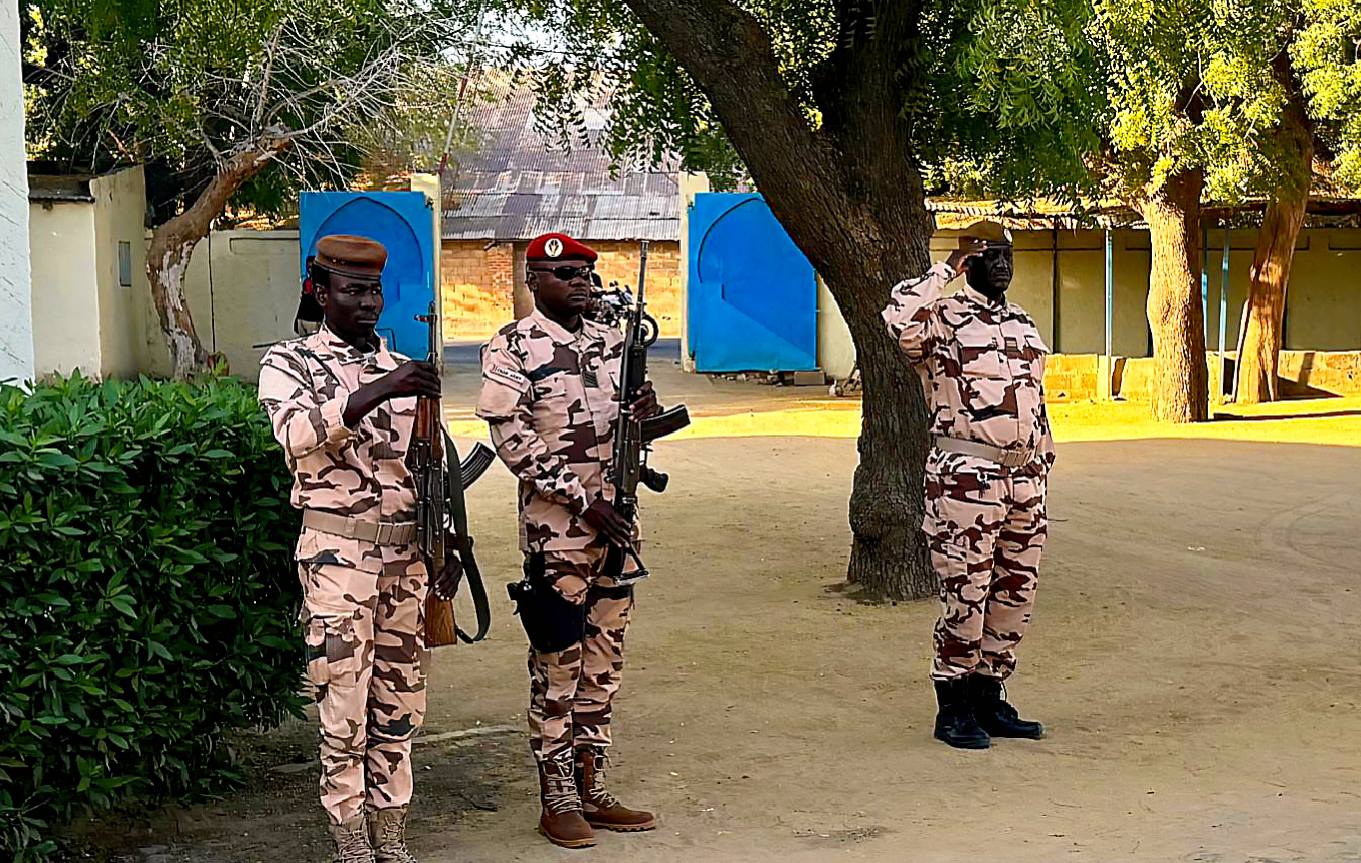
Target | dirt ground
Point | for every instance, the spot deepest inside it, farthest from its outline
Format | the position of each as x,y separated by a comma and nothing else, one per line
1194,655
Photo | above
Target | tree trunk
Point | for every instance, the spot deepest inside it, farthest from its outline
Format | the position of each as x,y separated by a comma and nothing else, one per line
888,557
1260,352
850,195
172,245
1181,378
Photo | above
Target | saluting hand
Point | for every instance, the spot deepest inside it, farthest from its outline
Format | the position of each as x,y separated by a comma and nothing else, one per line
969,247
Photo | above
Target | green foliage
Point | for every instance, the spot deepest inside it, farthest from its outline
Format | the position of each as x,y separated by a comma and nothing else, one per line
1191,86
148,600
187,83
1002,96
1327,56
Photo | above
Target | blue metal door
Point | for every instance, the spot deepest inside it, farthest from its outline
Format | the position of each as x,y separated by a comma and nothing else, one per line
753,299
404,223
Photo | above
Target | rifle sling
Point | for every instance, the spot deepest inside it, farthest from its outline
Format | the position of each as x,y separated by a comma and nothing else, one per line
458,513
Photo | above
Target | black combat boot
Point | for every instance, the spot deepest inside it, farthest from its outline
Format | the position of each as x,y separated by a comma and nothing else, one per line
994,714
955,722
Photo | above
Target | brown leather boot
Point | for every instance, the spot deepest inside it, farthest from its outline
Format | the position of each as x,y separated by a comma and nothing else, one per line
600,806
561,822
387,833
352,841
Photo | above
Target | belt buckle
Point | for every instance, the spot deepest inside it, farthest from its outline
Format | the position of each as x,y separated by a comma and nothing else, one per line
383,535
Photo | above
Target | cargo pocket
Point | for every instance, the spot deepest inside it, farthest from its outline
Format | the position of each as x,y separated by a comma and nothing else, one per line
332,652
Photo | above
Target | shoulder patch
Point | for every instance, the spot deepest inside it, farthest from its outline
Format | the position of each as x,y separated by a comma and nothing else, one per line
509,376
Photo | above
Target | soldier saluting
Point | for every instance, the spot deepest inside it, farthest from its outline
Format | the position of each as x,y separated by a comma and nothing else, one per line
549,389
342,406
982,361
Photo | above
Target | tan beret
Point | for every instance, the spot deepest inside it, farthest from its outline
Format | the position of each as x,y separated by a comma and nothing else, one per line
988,230
351,256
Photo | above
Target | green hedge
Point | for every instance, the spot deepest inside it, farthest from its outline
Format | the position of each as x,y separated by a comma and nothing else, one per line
148,599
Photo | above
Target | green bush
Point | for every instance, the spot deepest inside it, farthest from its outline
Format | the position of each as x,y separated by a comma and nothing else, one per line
148,599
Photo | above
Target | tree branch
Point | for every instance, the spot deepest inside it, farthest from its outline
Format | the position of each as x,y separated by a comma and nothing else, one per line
731,59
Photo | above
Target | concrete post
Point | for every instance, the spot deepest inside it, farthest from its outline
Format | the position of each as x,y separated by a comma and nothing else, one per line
16,293
690,185
429,184
1106,362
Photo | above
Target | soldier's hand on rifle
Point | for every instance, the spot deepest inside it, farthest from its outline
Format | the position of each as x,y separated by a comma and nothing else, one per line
645,406
446,583
408,379
411,379
969,247
602,516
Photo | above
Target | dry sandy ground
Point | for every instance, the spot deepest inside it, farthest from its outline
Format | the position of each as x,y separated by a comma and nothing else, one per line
1194,655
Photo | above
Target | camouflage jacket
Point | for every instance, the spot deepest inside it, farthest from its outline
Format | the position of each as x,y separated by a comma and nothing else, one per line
361,471
549,398
982,365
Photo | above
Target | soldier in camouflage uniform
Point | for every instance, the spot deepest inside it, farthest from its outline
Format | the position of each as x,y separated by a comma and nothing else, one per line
342,406
549,384
982,363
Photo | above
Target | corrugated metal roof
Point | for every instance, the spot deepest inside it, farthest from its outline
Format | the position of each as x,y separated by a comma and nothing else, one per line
518,183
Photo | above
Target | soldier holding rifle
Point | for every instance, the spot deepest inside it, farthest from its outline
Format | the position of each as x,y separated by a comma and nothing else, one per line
343,407
550,389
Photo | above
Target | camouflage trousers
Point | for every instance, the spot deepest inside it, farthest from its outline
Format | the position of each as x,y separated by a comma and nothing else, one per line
571,692
985,535
366,659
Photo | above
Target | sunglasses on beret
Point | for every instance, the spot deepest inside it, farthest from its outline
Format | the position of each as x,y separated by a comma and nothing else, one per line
566,273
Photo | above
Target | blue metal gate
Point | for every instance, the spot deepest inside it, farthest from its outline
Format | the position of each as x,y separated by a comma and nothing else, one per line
753,299
404,223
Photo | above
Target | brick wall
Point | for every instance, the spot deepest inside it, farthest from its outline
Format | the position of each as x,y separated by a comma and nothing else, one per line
481,280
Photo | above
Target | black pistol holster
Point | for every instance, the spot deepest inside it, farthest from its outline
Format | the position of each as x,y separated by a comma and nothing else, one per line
551,622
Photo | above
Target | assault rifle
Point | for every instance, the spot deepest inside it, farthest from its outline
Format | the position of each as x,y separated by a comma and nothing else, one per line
633,437
441,511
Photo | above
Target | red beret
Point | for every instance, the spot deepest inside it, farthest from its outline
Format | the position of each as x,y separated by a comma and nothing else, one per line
351,256
559,247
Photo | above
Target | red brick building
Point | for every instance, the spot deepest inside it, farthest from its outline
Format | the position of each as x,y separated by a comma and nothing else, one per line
518,184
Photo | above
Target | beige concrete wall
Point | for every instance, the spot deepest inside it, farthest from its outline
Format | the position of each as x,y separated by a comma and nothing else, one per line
242,288
65,289
120,217
429,184
1323,307
836,351
688,186
1073,377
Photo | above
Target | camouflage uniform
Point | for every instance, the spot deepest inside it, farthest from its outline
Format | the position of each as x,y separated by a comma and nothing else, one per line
548,396
364,602
982,365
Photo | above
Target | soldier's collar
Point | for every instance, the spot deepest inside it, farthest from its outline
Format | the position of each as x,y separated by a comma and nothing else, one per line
345,351
559,334
979,298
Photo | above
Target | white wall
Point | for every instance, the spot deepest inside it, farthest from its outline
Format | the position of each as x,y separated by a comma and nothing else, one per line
16,321
65,291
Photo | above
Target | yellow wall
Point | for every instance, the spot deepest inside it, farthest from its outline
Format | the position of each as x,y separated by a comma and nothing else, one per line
1323,310
120,217
243,289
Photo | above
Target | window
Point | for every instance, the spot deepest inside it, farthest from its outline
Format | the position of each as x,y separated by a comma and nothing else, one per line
125,264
